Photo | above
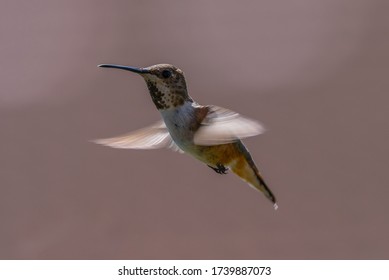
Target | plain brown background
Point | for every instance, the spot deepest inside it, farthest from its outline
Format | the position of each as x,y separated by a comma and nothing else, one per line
314,72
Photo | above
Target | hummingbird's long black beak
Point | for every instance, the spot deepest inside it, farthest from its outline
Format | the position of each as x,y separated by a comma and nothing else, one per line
128,68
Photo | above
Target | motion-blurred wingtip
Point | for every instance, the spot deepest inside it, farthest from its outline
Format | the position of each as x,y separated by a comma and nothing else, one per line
98,141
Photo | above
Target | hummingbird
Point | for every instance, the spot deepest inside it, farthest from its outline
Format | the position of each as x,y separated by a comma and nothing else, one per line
210,133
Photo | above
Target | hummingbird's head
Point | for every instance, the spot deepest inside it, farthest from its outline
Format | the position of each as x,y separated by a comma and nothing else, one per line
165,82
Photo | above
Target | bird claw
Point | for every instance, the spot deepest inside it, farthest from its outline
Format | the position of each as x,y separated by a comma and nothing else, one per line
219,169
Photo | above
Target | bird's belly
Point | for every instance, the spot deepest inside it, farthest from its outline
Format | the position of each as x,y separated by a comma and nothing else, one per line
210,155
180,124
183,139
223,154
180,133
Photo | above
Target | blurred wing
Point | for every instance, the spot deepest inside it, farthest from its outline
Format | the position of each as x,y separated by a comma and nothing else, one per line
152,137
222,126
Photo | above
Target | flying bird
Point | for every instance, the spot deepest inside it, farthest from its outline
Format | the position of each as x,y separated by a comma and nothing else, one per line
209,133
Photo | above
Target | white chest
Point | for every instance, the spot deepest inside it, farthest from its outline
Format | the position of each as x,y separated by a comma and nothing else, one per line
178,120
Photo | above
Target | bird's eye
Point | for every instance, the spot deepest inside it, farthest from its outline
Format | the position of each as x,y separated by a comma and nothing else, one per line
166,73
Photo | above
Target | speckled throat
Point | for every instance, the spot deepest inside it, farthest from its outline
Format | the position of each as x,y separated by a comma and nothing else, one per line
167,96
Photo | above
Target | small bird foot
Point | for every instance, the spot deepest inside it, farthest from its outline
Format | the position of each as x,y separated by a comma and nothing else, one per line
220,169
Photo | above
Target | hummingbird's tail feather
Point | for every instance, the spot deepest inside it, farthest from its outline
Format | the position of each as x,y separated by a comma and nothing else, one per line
246,169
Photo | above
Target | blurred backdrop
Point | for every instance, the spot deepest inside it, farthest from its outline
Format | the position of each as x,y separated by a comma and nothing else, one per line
314,72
